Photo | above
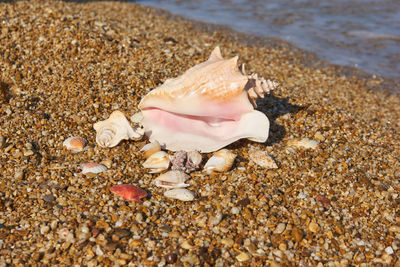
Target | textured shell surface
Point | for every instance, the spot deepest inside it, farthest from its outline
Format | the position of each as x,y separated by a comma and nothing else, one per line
193,162
116,128
129,192
75,143
180,194
172,179
208,107
92,167
150,148
262,159
157,162
303,142
221,161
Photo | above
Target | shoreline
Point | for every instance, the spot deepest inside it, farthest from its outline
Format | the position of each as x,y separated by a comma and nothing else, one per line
386,84
65,66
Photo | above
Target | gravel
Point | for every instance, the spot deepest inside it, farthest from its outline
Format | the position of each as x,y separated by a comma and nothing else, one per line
65,66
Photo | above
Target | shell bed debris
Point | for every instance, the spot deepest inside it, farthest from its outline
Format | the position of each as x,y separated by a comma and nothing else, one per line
65,66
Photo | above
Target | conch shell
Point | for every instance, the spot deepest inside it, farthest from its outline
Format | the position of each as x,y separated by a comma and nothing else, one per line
208,107
116,128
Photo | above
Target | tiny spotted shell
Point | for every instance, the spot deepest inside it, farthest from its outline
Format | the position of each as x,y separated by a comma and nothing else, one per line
75,143
92,167
262,159
129,192
180,194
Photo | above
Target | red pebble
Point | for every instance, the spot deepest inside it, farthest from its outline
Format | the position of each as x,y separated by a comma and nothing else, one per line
320,198
129,192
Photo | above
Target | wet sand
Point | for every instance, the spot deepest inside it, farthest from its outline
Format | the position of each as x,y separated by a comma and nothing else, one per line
65,66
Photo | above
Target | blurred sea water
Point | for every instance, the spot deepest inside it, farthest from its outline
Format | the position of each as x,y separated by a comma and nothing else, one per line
360,33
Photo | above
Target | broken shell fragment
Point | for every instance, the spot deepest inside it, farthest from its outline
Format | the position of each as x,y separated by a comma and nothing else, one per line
75,143
221,161
129,192
116,128
262,159
303,142
150,149
137,118
172,179
180,194
92,167
157,162
206,108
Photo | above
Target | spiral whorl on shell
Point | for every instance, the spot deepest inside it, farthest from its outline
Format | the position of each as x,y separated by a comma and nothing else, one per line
111,131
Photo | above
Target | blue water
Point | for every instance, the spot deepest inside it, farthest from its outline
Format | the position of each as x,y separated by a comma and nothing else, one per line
363,34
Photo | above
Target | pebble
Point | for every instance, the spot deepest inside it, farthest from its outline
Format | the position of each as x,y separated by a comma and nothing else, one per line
139,217
171,258
297,234
280,228
191,259
235,210
19,174
227,242
313,227
44,229
389,250
216,219
2,141
186,245
394,228
243,256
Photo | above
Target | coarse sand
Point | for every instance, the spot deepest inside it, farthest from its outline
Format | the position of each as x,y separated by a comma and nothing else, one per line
67,65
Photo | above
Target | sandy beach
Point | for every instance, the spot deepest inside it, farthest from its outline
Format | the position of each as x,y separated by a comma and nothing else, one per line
65,66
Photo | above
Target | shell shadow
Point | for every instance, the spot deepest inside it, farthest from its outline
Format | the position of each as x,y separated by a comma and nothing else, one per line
273,107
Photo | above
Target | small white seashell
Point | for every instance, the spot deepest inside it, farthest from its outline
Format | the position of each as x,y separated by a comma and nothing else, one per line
150,149
137,118
221,161
194,159
172,179
92,167
303,142
75,143
262,159
180,194
116,128
157,162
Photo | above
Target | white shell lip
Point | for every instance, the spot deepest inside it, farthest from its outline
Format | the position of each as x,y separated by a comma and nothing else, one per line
114,129
157,162
75,143
180,194
92,167
172,179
